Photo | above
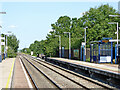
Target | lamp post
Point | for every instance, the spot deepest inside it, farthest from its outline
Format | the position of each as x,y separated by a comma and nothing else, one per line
69,44
0,47
6,41
85,41
116,33
59,45
0,38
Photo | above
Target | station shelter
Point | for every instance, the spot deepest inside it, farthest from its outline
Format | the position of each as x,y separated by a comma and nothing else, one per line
101,51
117,57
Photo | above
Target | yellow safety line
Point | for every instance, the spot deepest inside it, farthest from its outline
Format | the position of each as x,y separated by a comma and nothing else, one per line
8,81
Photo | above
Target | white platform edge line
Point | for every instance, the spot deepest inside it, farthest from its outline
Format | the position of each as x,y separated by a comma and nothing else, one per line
11,80
9,84
28,80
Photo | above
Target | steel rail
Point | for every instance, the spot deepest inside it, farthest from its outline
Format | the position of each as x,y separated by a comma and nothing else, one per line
64,76
36,87
75,74
43,74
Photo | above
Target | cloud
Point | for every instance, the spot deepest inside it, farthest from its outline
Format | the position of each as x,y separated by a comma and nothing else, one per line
12,26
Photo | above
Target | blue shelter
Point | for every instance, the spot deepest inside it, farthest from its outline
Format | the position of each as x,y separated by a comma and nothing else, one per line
101,51
117,58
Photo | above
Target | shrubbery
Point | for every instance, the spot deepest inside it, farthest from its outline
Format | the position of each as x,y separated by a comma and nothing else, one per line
11,53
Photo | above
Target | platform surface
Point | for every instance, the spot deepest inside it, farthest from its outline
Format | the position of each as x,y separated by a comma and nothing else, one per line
6,70
113,68
19,78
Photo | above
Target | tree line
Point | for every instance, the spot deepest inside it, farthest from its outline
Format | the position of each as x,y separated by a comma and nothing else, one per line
96,19
12,45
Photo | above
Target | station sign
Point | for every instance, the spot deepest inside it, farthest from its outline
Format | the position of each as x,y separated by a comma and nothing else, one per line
31,52
2,12
62,51
2,43
105,41
83,43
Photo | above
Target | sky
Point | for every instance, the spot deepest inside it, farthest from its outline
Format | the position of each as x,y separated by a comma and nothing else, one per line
31,20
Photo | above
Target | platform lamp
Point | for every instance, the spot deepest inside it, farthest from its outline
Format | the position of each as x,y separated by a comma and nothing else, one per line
6,47
117,34
85,42
69,44
0,39
0,47
59,44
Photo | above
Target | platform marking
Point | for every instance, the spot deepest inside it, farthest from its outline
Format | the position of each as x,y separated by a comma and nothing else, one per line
28,80
8,81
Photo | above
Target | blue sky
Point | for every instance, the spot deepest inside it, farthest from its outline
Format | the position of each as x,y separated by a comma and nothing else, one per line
31,21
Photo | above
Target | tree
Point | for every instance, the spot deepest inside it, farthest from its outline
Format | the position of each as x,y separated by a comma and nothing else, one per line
13,42
13,45
26,50
96,19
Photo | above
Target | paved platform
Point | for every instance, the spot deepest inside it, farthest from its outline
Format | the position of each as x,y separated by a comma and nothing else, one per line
106,69
20,79
13,74
102,66
6,72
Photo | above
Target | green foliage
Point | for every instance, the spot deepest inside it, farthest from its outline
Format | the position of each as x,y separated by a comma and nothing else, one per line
37,47
13,42
11,53
88,60
26,50
96,19
13,45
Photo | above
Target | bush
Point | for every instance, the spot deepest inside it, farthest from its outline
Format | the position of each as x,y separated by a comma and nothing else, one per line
11,53
88,60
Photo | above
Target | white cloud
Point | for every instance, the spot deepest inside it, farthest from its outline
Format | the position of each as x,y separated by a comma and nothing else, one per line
12,26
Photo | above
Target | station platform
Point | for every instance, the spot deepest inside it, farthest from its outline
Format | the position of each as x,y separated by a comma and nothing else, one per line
108,73
12,74
6,72
113,68
20,77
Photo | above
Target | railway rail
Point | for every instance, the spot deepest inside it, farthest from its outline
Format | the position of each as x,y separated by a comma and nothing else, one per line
33,82
36,84
71,76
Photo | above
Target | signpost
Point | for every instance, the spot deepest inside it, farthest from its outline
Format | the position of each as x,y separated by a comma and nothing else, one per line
31,53
62,52
3,43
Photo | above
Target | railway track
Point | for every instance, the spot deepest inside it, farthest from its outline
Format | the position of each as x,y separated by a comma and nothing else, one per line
35,83
71,76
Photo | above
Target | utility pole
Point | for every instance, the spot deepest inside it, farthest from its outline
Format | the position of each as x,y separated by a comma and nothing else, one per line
69,44
59,45
117,34
6,47
85,41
